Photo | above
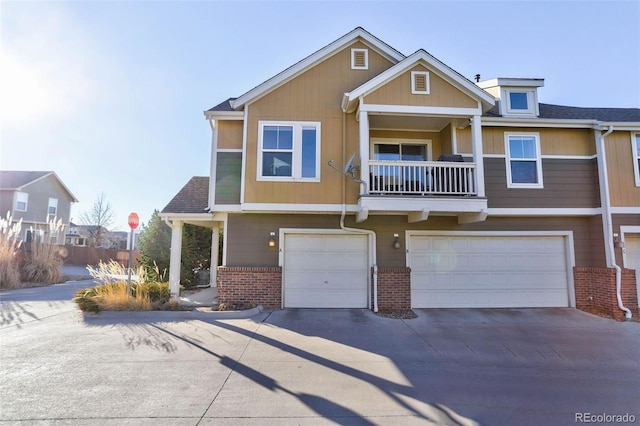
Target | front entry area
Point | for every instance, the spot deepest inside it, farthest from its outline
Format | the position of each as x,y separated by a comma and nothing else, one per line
489,271
325,271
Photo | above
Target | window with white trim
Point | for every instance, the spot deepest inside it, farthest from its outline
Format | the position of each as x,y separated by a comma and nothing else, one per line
22,199
289,151
523,161
420,84
520,102
359,59
635,145
52,210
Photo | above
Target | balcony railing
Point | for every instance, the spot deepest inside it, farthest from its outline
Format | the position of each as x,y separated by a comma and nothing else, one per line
422,178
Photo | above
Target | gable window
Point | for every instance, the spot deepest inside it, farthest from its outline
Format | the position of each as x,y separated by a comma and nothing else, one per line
53,207
359,59
523,162
420,83
289,151
21,201
635,142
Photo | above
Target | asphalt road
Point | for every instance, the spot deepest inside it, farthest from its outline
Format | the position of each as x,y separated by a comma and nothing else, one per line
310,367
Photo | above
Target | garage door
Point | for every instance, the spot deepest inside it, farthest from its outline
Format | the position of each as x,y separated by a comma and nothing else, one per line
632,256
488,272
325,271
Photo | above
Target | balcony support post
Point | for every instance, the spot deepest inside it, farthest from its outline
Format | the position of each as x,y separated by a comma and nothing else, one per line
476,144
364,149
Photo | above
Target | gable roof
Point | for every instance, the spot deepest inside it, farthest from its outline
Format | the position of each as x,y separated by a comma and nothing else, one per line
311,60
192,198
420,56
16,180
562,112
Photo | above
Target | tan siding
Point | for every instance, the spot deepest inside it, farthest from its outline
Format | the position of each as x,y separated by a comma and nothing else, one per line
315,95
230,134
463,140
567,183
398,92
250,232
552,141
622,186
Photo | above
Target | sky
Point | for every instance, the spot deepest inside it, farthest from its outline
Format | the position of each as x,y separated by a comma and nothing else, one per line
110,94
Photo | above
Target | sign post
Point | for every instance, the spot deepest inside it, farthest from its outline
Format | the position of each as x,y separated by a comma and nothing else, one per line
134,220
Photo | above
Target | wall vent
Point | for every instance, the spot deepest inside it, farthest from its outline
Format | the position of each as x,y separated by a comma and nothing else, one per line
420,82
359,59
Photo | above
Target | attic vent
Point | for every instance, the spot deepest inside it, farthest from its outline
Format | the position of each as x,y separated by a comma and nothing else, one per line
420,82
359,59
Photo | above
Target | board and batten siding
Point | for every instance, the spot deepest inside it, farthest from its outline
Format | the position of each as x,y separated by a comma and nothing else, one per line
315,95
441,93
228,177
250,233
567,183
230,134
570,142
622,186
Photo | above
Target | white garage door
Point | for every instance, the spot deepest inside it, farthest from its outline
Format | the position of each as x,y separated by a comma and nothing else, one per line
325,271
632,257
488,272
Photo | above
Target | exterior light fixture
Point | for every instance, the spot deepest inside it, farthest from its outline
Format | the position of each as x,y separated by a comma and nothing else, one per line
272,239
396,241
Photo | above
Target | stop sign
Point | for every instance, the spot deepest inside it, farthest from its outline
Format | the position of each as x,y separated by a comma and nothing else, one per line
134,220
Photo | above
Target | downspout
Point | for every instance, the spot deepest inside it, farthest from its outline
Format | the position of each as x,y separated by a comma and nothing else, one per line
607,221
369,232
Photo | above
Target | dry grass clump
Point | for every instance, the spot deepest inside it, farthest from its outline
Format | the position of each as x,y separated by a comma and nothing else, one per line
115,297
9,245
44,262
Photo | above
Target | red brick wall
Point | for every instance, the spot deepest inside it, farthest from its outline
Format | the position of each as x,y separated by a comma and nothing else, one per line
596,291
250,284
394,289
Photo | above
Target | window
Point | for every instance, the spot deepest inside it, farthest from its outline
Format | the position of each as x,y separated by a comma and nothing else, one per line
635,142
420,83
359,59
289,151
400,151
520,102
523,162
53,207
21,201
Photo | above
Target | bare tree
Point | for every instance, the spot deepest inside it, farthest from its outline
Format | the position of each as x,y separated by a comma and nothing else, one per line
98,219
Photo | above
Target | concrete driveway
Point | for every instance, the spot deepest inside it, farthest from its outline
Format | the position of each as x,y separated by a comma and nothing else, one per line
458,367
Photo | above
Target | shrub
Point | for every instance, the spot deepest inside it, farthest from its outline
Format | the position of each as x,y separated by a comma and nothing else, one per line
114,297
9,245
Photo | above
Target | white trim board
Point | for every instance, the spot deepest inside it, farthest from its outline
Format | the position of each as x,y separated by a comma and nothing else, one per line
625,210
290,207
552,211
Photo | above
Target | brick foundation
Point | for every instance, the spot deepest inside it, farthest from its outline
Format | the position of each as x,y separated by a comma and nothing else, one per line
596,291
250,284
394,289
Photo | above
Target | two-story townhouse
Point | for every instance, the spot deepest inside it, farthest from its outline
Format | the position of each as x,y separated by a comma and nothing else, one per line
36,197
363,178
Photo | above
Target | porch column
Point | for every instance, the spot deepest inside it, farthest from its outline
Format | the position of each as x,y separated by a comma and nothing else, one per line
174,261
364,150
476,144
213,271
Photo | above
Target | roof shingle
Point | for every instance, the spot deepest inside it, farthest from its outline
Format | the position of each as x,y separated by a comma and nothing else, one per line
17,179
192,198
562,112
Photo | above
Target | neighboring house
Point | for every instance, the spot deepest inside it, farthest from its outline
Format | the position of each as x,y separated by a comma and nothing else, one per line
86,235
36,198
455,194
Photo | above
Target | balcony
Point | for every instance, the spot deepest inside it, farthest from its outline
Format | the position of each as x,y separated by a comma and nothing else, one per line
421,188
422,178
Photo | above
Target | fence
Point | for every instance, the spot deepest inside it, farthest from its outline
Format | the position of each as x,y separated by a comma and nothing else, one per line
82,256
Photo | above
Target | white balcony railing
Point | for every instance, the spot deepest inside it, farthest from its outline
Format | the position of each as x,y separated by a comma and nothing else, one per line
422,178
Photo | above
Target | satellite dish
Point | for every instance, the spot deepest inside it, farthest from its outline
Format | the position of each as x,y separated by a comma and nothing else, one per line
347,167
